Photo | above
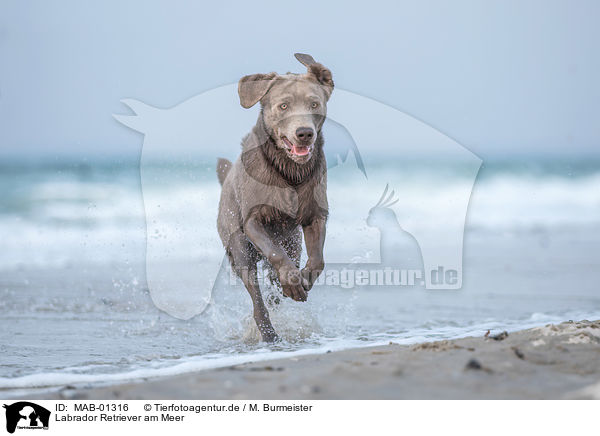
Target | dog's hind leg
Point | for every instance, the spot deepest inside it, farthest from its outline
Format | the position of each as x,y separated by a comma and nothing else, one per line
243,261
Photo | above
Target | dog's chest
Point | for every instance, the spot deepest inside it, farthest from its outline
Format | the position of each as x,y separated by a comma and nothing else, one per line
312,202
309,202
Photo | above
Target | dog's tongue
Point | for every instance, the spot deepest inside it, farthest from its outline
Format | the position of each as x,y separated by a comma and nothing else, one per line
299,151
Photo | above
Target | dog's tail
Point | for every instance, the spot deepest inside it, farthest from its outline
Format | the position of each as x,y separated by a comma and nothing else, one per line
223,167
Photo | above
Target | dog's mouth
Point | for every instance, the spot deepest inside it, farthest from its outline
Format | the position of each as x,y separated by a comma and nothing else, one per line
297,150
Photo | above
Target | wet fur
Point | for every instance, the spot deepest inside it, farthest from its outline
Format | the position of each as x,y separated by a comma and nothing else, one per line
268,199
269,165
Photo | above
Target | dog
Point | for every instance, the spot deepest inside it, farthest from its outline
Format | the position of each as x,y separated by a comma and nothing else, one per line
277,188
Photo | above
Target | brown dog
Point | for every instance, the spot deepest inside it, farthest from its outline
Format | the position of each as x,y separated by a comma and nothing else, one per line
277,187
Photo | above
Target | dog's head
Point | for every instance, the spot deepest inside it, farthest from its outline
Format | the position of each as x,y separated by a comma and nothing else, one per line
294,106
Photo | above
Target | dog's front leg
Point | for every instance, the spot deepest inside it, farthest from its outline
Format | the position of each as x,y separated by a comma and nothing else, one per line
290,277
314,238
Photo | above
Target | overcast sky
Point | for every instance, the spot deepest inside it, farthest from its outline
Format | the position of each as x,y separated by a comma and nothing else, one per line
500,77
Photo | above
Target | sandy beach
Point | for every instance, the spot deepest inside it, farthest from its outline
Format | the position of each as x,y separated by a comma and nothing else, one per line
550,362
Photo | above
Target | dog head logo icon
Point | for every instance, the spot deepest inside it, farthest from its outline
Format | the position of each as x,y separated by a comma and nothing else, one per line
26,415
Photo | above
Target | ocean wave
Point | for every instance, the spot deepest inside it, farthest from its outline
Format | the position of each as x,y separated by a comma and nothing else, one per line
189,364
49,219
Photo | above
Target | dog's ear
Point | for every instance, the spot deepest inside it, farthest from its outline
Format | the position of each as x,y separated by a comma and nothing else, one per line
254,87
305,59
317,71
322,75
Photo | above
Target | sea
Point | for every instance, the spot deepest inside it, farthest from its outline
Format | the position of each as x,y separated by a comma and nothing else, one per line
76,308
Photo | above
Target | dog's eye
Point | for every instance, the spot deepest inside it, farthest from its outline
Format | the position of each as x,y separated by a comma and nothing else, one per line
283,106
314,105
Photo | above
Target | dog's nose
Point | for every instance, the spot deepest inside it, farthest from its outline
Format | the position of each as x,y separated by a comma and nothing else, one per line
305,134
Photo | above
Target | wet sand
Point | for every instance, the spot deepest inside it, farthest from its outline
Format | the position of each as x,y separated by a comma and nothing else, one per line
549,362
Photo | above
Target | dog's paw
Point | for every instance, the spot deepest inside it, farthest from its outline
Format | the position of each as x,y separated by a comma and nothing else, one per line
270,336
310,276
307,281
267,332
293,284
295,292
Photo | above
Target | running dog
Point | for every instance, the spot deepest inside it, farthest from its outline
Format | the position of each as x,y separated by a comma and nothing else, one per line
276,190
